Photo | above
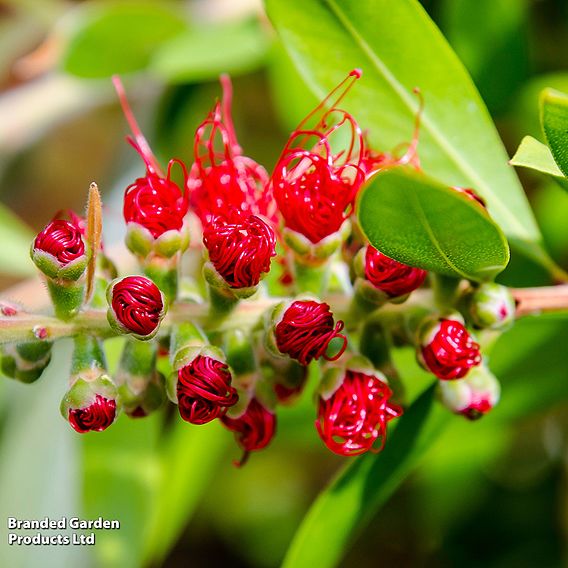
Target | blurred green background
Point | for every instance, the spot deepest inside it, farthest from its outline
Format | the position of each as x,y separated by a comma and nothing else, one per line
489,493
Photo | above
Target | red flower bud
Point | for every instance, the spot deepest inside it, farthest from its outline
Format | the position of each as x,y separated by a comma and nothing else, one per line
62,240
392,277
222,179
96,417
314,186
253,430
305,331
137,305
240,248
154,201
356,415
448,351
204,390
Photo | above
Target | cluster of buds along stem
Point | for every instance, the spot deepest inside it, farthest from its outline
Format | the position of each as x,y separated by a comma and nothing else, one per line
224,366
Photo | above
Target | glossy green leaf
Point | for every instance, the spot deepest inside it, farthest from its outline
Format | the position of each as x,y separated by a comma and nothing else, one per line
421,222
119,38
399,48
554,117
363,486
16,239
537,156
203,53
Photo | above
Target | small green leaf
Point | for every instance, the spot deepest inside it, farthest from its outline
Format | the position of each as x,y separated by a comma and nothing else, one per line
421,222
16,239
537,156
119,38
354,496
203,53
554,118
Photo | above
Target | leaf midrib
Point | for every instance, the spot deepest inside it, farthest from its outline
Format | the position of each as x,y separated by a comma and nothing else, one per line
436,134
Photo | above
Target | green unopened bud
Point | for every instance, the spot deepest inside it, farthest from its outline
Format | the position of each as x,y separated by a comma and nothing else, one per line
26,362
490,306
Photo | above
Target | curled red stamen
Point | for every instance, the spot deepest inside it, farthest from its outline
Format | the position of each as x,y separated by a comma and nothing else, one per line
392,277
137,304
61,239
204,390
96,417
240,249
451,352
306,330
355,417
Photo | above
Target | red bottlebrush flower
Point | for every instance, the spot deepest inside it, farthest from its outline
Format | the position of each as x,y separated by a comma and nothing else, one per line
305,331
137,305
253,430
240,248
154,201
96,417
450,352
467,191
392,277
356,415
315,187
62,240
221,178
204,390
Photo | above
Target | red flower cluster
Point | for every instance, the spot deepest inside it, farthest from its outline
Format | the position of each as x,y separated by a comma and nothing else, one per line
356,415
61,239
154,201
240,248
314,187
221,178
450,352
253,430
392,277
137,304
96,417
306,330
204,390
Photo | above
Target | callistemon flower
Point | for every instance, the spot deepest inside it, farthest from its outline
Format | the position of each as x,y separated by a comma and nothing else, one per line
204,390
221,178
474,395
95,417
240,247
392,277
304,330
154,205
253,430
355,416
447,350
314,182
136,306
59,251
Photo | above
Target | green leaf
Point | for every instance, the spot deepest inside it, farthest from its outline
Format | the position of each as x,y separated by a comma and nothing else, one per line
363,486
203,53
189,457
119,38
554,118
537,156
421,222
16,239
398,47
